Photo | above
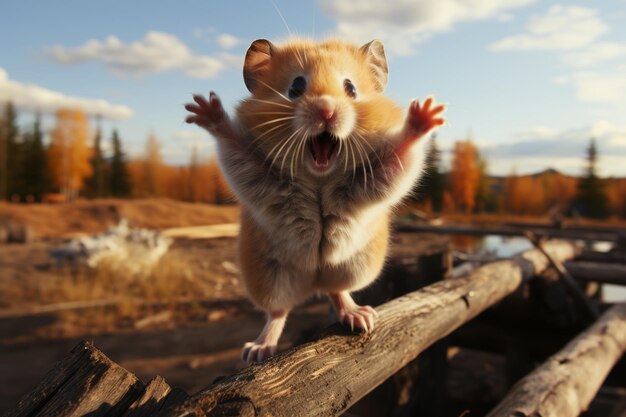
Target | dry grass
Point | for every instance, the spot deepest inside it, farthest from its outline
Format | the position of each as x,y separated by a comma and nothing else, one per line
178,276
93,216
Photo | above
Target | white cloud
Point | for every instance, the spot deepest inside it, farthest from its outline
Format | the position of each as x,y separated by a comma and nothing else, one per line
598,86
35,98
402,24
561,28
563,149
156,52
595,54
227,41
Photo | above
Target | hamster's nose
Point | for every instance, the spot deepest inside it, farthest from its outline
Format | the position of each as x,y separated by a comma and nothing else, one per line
327,114
326,107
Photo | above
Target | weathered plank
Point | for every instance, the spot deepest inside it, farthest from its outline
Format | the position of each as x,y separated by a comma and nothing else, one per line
565,384
86,382
327,376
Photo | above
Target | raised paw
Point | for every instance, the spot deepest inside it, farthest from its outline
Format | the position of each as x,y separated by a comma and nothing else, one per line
256,352
358,317
424,118
207,114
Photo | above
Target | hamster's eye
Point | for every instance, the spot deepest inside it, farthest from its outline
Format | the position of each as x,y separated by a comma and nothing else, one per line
298,85
349,87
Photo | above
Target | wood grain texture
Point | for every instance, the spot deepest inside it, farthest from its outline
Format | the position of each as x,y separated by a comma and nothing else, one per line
325,377
565,384
87,383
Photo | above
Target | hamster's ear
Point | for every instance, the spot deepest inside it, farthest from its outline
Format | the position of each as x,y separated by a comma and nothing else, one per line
375,55
257,62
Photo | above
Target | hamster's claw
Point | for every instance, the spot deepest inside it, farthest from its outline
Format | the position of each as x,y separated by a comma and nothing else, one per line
254,352
359,317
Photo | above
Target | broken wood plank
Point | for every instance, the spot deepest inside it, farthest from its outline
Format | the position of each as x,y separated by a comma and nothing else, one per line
567,382
86,382
325,377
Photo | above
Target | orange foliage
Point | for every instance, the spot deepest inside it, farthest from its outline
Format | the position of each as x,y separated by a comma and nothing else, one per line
538,194
69,153
198,182
616,195
464,175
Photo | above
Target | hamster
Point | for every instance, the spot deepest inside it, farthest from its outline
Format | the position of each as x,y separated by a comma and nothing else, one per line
318,158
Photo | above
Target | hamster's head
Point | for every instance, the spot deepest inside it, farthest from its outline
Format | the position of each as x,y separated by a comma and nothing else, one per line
317,108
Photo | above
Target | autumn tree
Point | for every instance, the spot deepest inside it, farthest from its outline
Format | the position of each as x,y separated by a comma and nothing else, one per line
69,153
119,183
591,194
153,168
96,184
464,175
485,198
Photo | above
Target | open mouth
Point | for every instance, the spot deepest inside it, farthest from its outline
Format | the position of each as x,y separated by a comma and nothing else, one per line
322,148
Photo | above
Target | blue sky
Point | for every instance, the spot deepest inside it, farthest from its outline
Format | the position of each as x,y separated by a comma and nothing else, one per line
529,80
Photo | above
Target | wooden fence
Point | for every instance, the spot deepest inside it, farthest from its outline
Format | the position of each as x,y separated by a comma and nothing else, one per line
326,376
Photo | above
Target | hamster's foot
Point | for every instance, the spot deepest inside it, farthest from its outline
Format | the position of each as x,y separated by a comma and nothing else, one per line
255,352
422,119
351,314
265,345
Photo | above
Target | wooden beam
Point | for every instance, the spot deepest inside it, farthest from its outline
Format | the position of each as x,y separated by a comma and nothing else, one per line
567,382
570,283
482,230
325,377
605,273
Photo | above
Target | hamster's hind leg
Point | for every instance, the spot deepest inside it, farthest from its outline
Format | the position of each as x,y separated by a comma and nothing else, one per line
351,314
265,345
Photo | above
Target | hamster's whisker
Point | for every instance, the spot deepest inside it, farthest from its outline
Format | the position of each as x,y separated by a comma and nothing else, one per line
299,57
281,95
272,112
287,152
353,161
284,143
362,140
285,128
272,121
399,161
297,153
360,150
270,102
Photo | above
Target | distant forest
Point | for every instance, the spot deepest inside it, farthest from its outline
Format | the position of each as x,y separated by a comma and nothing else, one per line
72,164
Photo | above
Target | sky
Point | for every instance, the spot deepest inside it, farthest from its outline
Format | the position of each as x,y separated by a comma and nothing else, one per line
529,81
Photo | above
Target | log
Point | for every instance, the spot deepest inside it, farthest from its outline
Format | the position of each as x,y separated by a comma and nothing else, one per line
325,377
482,230
611,273
565,384
566,278
86,382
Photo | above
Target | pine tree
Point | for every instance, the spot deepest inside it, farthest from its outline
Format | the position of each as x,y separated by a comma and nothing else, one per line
120,182
8,151
485,199
33,167
591,194
97,182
